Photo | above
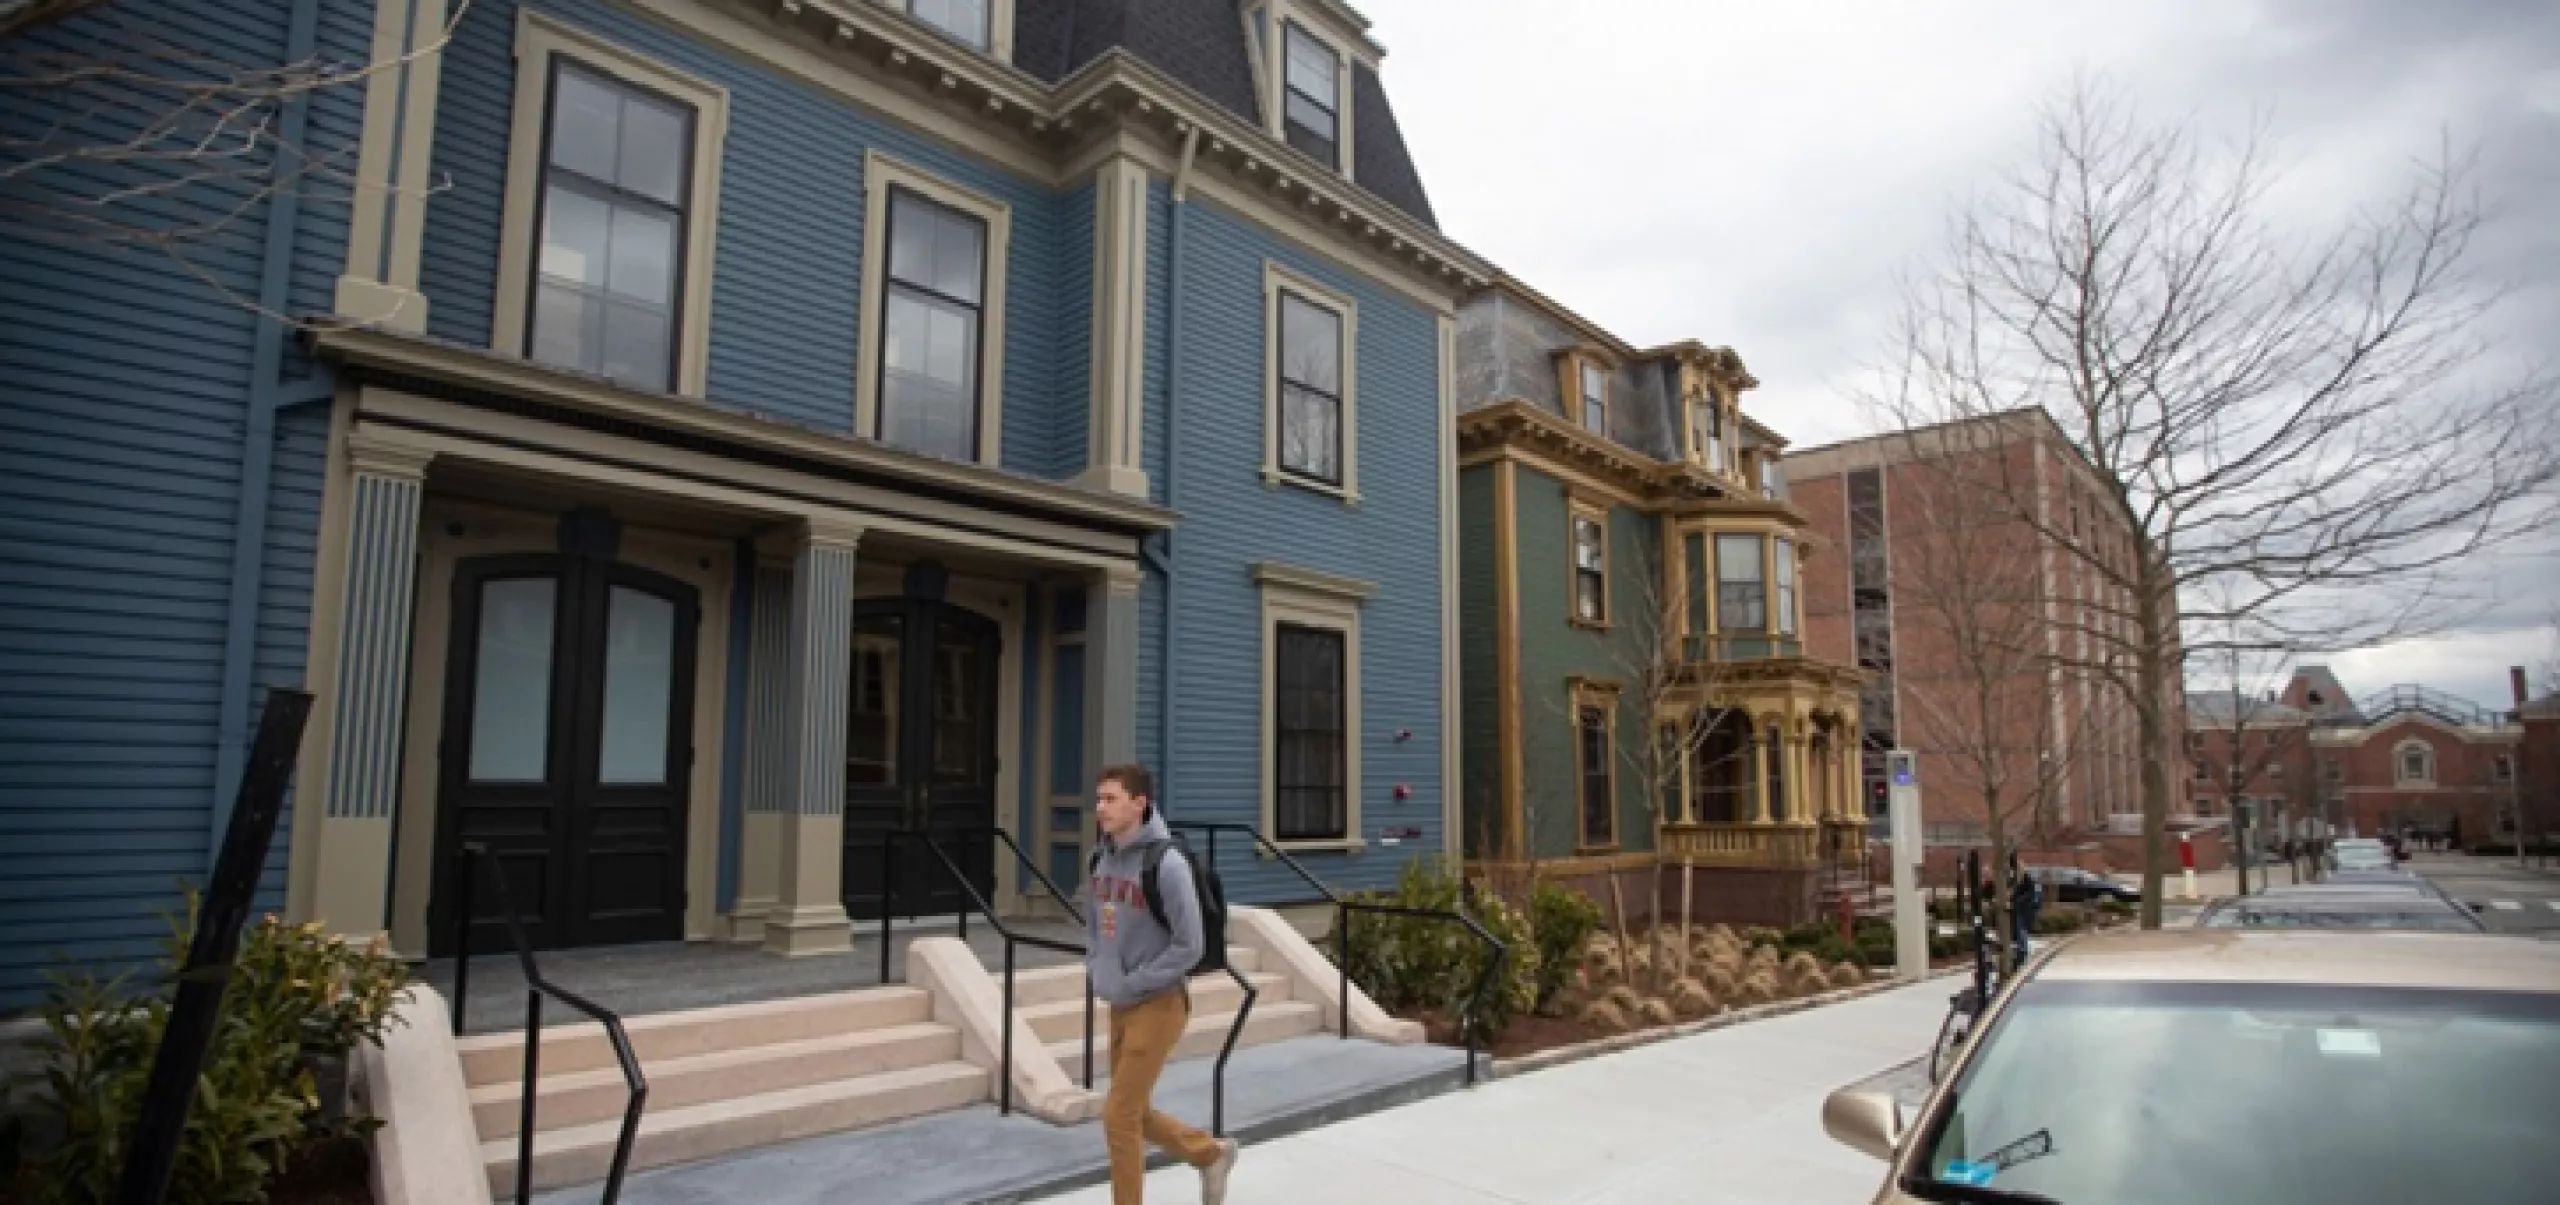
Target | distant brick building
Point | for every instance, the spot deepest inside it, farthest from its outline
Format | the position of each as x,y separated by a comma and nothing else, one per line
2537,758
2403,759
1894,508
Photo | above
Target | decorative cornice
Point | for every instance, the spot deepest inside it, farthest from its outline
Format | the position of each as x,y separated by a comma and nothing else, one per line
1277,574
1520,423
1117,89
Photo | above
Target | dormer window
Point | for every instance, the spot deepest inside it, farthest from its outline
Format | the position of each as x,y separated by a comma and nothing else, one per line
1706,429
1311,84
1595,399
969,21
1773,480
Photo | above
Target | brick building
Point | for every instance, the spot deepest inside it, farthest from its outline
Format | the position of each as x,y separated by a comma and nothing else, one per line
2403,759
2537,757
1967,621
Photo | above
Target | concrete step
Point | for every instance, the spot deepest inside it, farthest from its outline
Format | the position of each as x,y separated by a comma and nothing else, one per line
493,1058
1049,985
582,1154
1061,1019
1272,1021
575,1098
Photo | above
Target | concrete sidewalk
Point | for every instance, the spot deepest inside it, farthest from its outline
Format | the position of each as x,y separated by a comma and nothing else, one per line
1723,1117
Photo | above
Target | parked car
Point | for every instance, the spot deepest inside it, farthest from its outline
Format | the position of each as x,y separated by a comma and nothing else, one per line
2072,885
2341,910
2271,1067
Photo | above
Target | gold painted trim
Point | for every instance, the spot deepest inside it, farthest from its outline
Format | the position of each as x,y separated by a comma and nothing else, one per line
1506,585
880,173
1578,511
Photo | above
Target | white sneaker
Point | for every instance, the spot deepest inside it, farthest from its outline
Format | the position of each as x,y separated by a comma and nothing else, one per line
1213,1178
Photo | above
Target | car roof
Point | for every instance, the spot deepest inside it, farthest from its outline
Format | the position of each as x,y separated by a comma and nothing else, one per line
2368,958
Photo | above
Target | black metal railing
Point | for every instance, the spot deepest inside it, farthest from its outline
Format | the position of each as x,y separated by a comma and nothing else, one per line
1012,940
469,860
888,892
1342,910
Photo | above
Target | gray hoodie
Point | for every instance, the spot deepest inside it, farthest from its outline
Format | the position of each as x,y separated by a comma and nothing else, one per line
1131,957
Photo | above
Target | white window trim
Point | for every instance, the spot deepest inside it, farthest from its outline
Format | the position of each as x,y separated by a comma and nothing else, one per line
1316,600
2399,764
1578,510
1271,80
539,38
999,26
1275,278
879,173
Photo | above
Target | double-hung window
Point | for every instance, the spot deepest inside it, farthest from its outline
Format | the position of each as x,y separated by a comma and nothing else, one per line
1742,600
1773,480
933,319
1595,399
1311,395
1590,566
1786,587
1310,772
969,21
1311,105
614,200
1598,785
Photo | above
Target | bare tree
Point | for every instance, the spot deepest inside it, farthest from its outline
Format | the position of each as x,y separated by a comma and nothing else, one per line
134,138
2296,413
1990,708
2258,742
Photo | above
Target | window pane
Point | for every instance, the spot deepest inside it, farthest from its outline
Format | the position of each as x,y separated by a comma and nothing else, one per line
1310,774
586,119
635,344
653,142
1587,596
1740,604
568,328
1586,544
1310,345
639,686
935,247
1310,434
1311,69
511,681
643,256
577,235
959,245
1785,552
962,19
1597,805
872,704
1320,147
928,389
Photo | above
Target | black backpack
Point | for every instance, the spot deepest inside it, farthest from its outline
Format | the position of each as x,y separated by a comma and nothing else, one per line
1205,887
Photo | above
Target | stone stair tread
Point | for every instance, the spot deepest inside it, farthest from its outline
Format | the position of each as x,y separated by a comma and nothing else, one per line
662,1037
604,1133
1266,982
1265,1013
667,1069
729,1013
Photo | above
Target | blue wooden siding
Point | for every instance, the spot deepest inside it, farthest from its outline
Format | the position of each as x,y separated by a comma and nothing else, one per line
127,379
1231,520
787,273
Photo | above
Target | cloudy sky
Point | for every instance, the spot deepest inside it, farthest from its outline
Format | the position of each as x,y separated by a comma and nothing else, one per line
1754,172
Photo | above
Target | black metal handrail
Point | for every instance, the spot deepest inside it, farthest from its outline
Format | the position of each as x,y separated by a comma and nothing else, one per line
1342,910
888,880
1004,1074
536,987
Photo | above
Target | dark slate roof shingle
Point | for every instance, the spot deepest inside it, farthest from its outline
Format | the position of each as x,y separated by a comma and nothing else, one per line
1200,43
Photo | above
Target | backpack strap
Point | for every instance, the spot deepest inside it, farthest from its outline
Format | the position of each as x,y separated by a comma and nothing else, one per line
1147,881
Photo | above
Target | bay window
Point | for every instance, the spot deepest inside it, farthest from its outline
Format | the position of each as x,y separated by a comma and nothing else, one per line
1786,587
1742,601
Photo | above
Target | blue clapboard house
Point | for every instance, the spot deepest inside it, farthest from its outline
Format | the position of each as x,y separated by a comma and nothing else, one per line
681,442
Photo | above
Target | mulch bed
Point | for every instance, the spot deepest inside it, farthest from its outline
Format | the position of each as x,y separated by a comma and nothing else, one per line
337,1172
1524,1035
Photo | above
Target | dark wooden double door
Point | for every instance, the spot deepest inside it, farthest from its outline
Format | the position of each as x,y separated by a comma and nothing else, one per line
567,749
920,757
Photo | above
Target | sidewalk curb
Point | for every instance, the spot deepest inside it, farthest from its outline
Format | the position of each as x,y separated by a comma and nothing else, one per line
1561,1055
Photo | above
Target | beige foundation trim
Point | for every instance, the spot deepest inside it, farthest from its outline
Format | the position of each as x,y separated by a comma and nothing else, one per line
1275,280
880,173
1285,602
540,38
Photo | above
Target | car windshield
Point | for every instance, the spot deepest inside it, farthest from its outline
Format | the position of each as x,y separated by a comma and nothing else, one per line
2272,1094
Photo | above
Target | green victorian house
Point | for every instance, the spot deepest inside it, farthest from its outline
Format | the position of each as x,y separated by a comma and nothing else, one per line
1635,693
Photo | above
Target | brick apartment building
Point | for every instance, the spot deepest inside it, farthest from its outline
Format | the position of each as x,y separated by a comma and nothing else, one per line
2537,757
1922,548
2407,758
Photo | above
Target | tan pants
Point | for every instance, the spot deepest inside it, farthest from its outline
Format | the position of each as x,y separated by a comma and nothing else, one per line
1142,1037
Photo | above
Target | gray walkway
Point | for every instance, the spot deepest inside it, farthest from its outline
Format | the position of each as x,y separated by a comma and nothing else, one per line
1727,1116
637,980
976,1155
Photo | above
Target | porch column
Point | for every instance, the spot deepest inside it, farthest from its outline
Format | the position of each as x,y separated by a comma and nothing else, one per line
1803,801
768,782
1760,762
808,911
1111,671
370,695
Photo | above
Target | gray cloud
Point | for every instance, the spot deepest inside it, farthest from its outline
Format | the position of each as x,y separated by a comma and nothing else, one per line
1754,174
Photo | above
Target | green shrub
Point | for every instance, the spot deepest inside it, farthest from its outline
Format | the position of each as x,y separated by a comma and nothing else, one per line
2061,920
1410,962
1563,921
297,1002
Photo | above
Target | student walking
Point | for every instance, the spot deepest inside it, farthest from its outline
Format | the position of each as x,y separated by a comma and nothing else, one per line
1141,956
